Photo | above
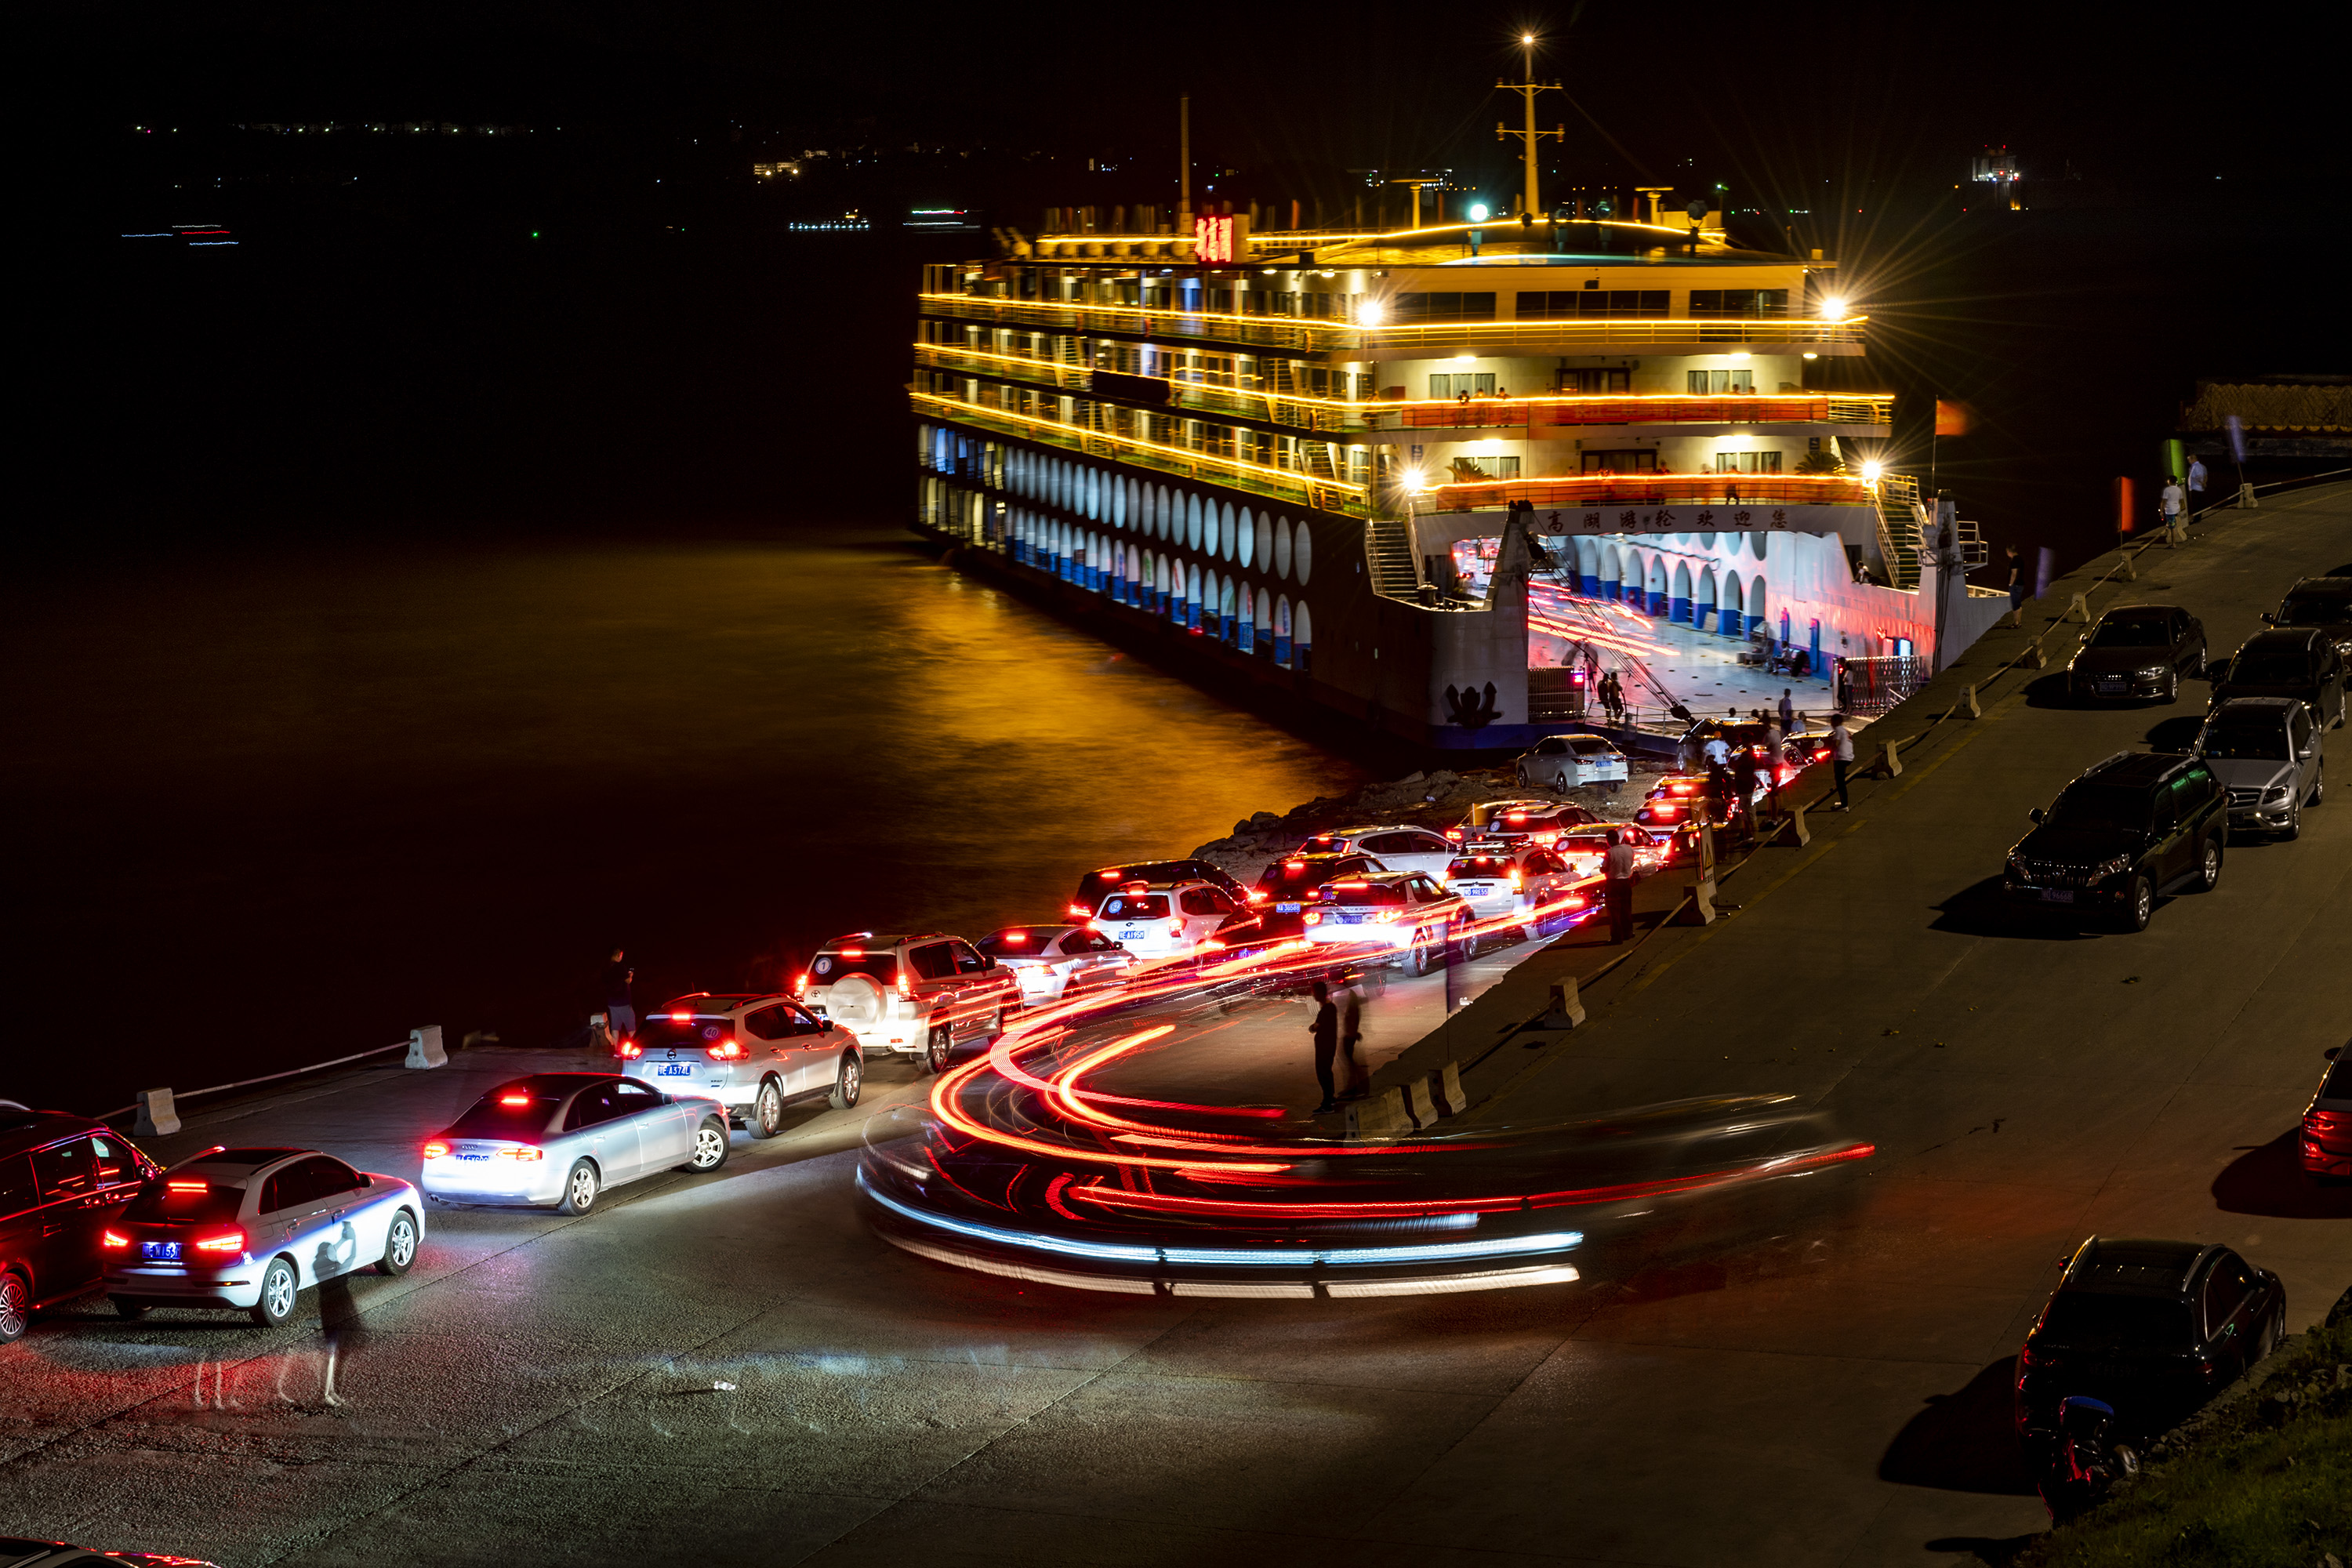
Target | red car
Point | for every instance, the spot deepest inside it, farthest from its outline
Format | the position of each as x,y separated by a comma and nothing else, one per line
2326,1143
62,1179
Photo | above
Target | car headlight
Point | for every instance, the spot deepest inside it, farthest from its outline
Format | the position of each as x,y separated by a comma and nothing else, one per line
2114,868
2017,868
2153,672
2276,795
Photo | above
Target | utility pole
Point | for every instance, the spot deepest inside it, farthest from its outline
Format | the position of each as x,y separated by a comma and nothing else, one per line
1184,160
1530,137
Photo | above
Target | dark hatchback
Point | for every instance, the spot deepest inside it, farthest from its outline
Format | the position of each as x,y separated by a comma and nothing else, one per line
2138,650
2125,832
2298,663
1094,885
2153,1328
2323,605
62,1178
1288,884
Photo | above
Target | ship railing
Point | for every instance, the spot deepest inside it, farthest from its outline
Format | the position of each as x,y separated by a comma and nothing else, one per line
1407,339
1757,495
1330,495
1897,497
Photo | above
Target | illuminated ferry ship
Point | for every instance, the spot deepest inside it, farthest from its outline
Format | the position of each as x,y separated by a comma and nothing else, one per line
1338,466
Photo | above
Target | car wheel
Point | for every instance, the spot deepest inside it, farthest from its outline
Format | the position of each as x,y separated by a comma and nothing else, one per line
279,1286
579,1189
2270,1340
130,1308
2139,902
1422,959
399,1245
2172,686
710,1147
2318,785
16,1308
2294,828
847,1083
938,1050
2209,868
766,1118
1559,783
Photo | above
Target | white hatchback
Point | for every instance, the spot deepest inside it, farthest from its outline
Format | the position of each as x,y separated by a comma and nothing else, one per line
1408,913
1399,846
753,1054
1562,763
1054,961
1169,920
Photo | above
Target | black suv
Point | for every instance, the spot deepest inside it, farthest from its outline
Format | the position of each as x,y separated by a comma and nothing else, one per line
1288,884
62,1179
2130,828
1095,886
2323,605
2300,663
2153,1328
2138,650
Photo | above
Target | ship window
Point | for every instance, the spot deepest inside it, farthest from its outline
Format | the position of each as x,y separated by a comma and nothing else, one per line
1748,462
1711,381
1567,304
1443,307
1475,383
1596,380
1622,461
1739,302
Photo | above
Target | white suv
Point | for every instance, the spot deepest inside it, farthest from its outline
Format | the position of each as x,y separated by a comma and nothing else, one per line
753,1054
918,997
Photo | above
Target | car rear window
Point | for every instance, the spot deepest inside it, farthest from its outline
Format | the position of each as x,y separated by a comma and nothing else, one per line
2316,609
1135,907
1592,745
185,1200
1288,874
517,1111
1323,844
2339,1081
1365,893
2083,1317
831,966
1480,866
1017,942
664,1029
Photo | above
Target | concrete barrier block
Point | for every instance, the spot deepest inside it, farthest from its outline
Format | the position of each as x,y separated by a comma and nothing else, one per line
2246,497
1423,1109
2080,610
2033,657
425,1048
2129,573
1379,1116
1700,909
1451,1101
1968,703
1804,834
1566,1010
1893,759
157,1118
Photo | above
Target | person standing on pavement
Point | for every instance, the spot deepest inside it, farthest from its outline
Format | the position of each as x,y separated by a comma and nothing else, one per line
1717,751
620,1012
1788,711
2174,498
1840,758
2019,590
1325,1032
1352,1035
1617,888
2196,485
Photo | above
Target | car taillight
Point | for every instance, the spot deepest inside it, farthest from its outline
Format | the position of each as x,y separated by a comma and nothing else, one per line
1175,928
1454,834
110,1239
1312,918
800,983
905,986
631,1050
726,1051
681,1017
1079,911
1576,900
1257,895
1389,917
1514,879
227,1241
522,1153
436,1150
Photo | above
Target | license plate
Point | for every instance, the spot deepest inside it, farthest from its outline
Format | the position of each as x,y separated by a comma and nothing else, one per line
1132,933
815,1007
473,1156
1286,908
675,1069
2057,895
160,1251
2111,685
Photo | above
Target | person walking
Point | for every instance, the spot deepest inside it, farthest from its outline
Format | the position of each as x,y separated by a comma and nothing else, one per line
620,1012
2196,486
1788,711
1844,687
2018,589
1617,885
1325,1032
1840,758
2174,498
1717,751
1352,1035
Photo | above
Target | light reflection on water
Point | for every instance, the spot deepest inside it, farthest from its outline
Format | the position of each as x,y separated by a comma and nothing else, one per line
387,787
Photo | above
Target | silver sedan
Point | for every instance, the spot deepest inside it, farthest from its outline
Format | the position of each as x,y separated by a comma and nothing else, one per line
559,1139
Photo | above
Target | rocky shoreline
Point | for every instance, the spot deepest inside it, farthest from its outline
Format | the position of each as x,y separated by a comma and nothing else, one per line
1439,800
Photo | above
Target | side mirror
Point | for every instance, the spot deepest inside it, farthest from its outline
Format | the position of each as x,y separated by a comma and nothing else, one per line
2035,813
2269,619
987,961
2332,1052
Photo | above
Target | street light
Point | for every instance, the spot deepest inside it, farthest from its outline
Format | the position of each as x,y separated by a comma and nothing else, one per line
1833,308
1370,312
1478,212
1870,472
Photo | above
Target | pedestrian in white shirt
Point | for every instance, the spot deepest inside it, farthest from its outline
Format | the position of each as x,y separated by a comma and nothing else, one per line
1840,758
2196,484
2175,498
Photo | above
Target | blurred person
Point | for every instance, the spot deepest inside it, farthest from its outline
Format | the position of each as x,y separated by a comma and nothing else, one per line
1617,887
1840,758
2020,590
1717,751
1352,1035
620,1012
1325,1032
2196,485
2171,500
1787,711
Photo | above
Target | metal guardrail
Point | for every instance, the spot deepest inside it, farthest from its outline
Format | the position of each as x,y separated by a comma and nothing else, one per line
1308,335
1332,496
1899,537
1660,489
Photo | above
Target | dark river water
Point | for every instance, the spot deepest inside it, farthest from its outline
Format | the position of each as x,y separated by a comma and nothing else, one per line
282,808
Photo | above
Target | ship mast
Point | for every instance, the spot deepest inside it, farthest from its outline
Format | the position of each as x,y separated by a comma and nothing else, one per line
1530,136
